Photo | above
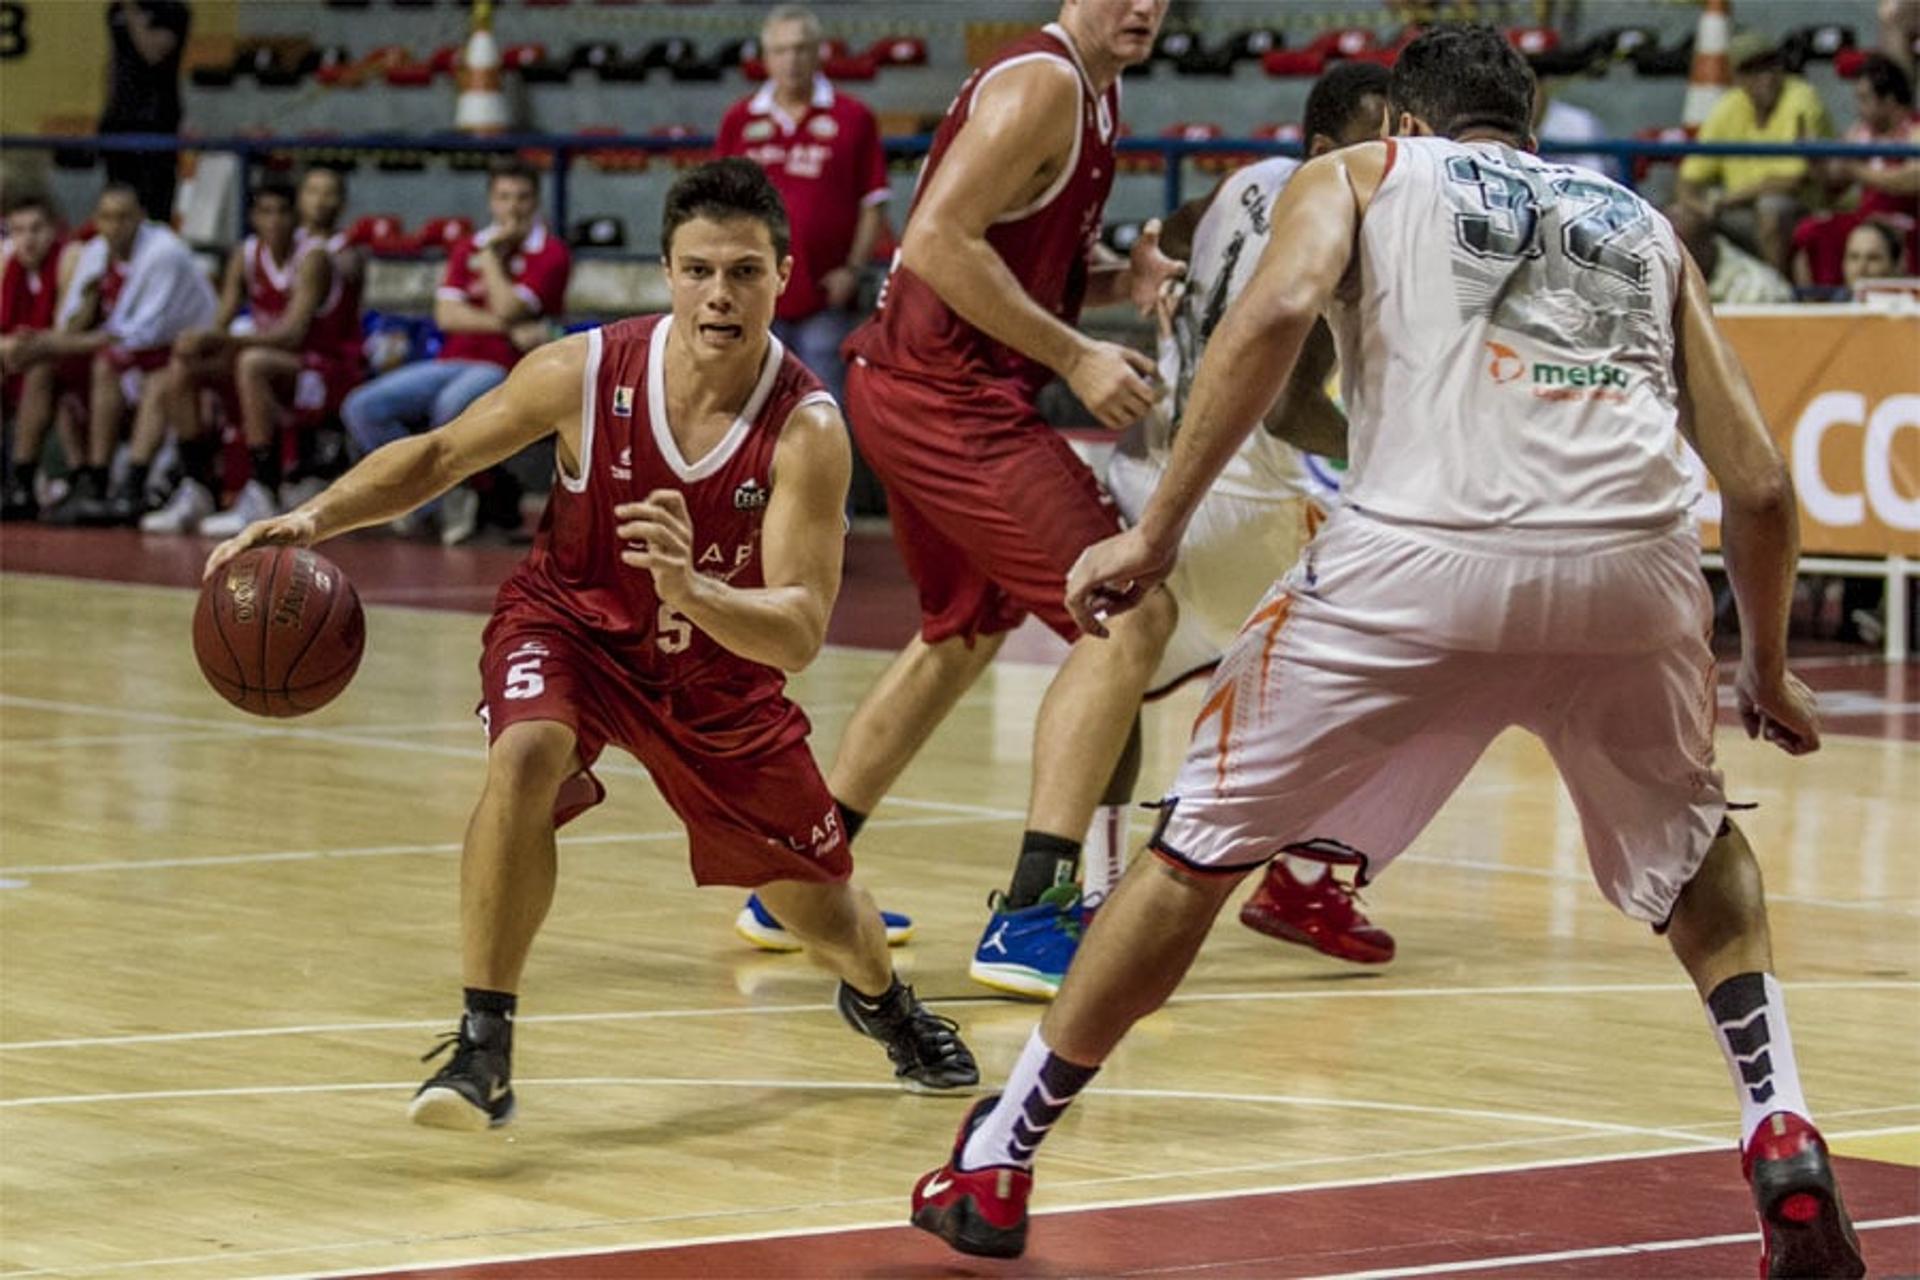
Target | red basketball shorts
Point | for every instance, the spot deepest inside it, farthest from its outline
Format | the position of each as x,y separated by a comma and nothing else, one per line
739,775
990,505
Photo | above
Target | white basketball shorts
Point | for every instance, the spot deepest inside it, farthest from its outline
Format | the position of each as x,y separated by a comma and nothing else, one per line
1233,550
1371,678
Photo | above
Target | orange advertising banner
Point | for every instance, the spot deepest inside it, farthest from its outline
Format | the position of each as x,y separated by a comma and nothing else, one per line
1840,388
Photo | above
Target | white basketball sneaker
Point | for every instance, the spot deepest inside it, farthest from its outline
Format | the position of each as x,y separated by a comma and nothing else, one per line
256,502
184,512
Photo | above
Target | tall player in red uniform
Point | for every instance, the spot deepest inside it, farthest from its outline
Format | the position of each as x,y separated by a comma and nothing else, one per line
689,556
990,506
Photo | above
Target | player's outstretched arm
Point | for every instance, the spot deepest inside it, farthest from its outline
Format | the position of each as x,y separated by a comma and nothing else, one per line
540,397
1760,523
784,623
1304,416
1020,132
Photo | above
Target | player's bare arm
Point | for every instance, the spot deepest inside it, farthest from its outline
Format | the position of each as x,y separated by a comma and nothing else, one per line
1304,416
1248,361
1759,525
541,397
784,623
1017,139
1142,277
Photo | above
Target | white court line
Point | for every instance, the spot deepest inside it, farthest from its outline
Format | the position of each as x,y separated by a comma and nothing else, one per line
1576,1255
883,1087
402,850
774,1010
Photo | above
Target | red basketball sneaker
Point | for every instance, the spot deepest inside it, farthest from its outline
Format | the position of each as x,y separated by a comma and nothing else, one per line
1804,1229
1324,915
979,1211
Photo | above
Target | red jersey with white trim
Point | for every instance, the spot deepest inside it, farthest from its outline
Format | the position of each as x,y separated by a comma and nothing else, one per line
30,297
269,284
574,576
1046,245
334,333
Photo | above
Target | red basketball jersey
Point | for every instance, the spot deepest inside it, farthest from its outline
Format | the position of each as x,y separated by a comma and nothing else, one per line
1045,245
269,283
574,575
335,331
29,299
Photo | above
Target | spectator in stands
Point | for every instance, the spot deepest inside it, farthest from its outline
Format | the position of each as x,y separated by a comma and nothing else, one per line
1888,188
1757,199
1555,120
1733,275
30,268
822,150
1875,251
504,290
136,288
1900,31
148,38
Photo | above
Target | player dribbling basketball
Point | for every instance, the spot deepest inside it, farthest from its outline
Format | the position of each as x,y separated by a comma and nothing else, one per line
689,557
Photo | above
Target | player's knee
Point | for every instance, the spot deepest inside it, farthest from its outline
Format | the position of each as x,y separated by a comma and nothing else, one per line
1148,625
532,759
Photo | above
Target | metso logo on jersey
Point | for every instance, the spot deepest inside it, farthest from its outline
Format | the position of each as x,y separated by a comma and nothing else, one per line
1553,381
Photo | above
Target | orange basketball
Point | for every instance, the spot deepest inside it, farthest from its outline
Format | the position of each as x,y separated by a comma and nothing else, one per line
279,631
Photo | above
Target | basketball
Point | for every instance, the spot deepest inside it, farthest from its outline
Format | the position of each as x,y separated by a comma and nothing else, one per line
279,631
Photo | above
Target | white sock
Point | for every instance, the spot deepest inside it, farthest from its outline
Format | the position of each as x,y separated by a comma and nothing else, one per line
1103,855
1304,870
1035,1096
1748,1014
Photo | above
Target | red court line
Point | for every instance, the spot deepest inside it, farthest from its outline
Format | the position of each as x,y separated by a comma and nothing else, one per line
1422,1222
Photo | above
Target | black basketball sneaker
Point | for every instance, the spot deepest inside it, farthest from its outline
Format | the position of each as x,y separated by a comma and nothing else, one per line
473,1091
927,1052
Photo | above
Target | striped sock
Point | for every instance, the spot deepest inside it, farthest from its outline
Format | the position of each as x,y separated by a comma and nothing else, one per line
1036,1095
1103,858
1749,1016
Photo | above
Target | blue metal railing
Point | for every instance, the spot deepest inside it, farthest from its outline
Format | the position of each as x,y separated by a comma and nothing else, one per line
565,148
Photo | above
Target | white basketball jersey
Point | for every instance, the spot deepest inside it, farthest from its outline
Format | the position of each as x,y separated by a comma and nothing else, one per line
1507,352
1227,245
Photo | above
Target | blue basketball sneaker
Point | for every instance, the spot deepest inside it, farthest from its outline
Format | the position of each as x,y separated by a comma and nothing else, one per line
1026,952
756,924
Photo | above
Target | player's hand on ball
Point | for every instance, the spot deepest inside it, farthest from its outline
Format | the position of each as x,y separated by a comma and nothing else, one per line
1112,381
659,537
294,529
1150,271
1779,708
1112,576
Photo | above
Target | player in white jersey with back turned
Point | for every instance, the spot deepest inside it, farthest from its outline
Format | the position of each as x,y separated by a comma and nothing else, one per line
1523,347
1261,509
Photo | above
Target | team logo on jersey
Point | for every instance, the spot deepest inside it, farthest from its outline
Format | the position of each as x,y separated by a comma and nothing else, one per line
1506,365
623,402
1552,380
824,127
623,466
757,131
749,496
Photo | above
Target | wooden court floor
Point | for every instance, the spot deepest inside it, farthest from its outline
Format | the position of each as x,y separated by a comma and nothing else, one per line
224,944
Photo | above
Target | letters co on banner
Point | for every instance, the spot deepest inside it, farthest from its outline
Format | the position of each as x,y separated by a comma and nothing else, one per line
1841,391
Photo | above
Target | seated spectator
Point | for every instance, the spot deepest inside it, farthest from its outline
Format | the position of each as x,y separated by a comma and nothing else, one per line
30,267
135,289
1757,199
285,280
1733,275
503,291
1875,251
1888,184
1558,121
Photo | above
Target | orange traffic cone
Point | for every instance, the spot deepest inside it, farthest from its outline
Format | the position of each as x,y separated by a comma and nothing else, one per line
1711,74
481,107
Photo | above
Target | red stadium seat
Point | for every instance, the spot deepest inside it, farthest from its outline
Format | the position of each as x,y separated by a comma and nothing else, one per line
682,157
1136,161
859,66
378,233
899,51
1849,63
1533,42
1294,63
624,160
439,235
1345,42
1220,162
409,74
